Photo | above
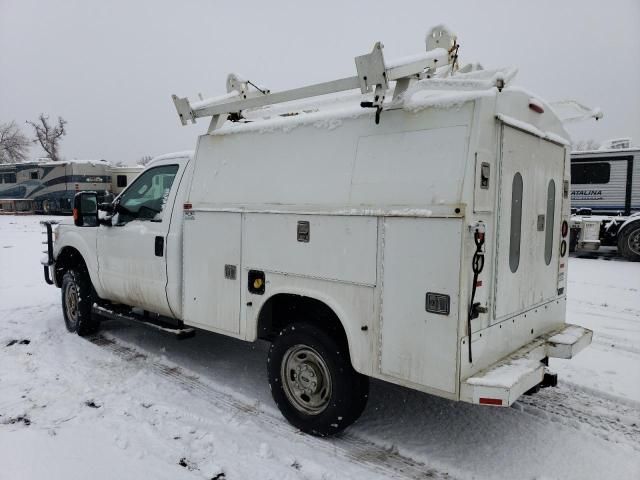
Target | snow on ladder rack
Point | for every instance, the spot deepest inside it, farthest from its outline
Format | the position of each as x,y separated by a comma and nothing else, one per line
373,74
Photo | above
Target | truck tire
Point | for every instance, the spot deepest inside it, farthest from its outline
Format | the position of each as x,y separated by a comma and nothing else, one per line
312,380
629,242
77,299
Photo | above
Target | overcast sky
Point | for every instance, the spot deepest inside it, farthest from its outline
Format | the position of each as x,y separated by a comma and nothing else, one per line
110,67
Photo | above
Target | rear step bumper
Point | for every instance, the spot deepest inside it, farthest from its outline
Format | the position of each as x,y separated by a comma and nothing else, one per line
504,382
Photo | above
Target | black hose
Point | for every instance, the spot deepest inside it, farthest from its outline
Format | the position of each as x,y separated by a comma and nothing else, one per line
477,265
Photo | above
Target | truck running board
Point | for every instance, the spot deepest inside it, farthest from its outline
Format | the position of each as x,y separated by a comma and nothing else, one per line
179,332
504,382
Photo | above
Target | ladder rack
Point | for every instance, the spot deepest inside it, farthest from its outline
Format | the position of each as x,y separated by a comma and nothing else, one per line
373,74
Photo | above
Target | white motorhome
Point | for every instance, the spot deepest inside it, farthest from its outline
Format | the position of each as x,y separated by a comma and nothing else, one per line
415,235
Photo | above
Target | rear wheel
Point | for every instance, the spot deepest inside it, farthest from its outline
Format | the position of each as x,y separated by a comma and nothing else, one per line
312,380
77,300
629,242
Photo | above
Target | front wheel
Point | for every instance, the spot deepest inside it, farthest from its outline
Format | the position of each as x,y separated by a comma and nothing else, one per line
629,242
77,301
312,380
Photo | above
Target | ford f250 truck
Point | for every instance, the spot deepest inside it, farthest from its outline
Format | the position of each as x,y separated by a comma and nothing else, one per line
410,225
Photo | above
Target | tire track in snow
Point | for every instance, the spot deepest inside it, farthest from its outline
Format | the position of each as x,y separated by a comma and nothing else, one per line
587,411
386,461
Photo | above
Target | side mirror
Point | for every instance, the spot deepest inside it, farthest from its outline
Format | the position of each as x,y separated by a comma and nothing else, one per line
85,209
108,197
107,207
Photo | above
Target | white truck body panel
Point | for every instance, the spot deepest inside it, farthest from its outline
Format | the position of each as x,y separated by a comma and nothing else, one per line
420,256
211,241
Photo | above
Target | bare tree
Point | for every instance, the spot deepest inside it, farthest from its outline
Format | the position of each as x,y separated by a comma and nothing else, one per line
583,145
14,145
49,135
145,159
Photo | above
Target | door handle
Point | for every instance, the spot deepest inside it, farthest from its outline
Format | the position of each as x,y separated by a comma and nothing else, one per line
159,246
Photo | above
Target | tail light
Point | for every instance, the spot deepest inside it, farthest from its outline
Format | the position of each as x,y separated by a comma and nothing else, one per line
564,229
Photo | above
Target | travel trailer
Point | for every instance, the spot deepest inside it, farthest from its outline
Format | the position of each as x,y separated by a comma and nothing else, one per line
409,224
605,199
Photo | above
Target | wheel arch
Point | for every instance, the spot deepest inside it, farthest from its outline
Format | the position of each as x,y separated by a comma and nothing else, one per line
68,258
631,222
284,308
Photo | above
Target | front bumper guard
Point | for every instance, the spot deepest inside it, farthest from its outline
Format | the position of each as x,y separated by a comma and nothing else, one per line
48,260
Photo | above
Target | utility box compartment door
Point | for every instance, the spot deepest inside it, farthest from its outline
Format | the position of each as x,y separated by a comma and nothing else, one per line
211,271
421,256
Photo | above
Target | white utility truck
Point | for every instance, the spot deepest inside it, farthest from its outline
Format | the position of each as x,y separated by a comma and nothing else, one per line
409,223
605,199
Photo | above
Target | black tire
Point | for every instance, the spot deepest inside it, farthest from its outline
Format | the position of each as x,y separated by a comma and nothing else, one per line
347,390
77,299
629,242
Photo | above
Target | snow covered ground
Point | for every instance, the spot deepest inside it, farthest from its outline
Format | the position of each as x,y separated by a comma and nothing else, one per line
133,403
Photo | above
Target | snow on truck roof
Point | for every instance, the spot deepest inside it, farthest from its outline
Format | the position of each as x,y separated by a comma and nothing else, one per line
329,111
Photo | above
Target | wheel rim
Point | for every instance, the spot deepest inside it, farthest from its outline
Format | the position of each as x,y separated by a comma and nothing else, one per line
71,302
306,380
634,242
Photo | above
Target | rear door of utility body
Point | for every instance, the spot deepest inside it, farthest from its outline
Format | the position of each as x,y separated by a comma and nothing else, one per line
529,211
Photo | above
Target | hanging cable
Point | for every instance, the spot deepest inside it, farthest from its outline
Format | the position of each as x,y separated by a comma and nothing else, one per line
477,265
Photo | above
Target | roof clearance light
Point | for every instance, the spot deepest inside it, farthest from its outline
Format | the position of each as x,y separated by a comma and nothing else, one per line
535,105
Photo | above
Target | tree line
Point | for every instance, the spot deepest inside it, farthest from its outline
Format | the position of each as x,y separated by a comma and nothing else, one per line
15,145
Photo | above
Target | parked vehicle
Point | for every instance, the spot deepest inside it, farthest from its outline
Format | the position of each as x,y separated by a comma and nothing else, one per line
605,196
52,185
414,232
123,176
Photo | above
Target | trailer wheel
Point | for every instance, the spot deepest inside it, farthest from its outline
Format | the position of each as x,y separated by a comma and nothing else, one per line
77,300
629,242
312,380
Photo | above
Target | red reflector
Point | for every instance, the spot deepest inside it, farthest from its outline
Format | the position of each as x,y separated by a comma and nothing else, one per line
536,106
479,283
188,206
562,265
75,214
490,401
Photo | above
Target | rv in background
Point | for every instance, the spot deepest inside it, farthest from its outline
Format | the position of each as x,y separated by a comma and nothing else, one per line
123,176
50,186
605,199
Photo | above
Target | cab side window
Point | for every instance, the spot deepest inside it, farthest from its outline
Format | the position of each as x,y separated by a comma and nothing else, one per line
145,199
